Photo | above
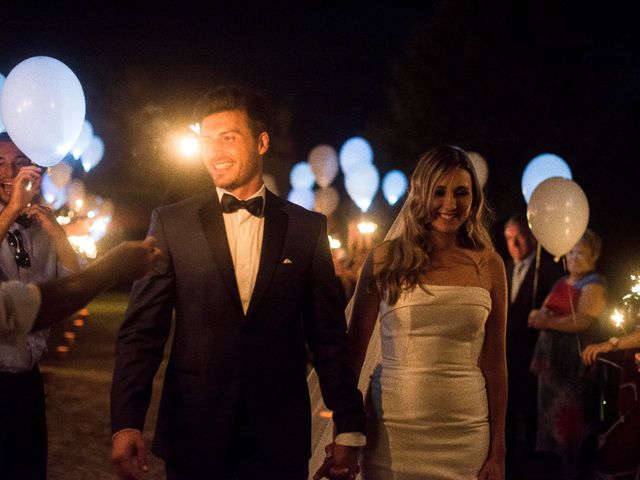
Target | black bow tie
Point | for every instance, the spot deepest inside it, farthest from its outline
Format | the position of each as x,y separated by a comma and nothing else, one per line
231,204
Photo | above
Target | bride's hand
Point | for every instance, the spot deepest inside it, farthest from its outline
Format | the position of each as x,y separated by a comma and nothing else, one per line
338,468
493,469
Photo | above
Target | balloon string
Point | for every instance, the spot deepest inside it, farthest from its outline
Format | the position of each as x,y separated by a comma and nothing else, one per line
536,274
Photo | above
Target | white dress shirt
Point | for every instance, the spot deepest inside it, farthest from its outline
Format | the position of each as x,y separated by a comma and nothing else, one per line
244,236
520,270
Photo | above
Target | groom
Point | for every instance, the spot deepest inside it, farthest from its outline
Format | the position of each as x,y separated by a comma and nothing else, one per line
251,281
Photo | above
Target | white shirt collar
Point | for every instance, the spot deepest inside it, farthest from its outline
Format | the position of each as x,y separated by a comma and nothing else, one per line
260,193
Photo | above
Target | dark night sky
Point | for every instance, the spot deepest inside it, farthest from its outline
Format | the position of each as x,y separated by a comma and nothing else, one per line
328,72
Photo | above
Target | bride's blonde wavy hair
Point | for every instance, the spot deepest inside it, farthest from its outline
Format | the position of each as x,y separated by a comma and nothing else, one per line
408,255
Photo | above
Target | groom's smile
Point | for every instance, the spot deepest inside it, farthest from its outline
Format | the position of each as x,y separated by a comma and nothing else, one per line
232,153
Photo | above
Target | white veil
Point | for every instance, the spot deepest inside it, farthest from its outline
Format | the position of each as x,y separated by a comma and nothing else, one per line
321,424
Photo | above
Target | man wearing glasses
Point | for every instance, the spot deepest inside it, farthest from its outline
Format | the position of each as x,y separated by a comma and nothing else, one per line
34,248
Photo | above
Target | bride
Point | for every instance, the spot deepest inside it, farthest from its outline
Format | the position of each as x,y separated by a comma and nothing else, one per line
430,306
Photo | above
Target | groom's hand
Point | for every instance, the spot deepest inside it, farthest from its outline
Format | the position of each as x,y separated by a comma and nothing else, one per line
126,445
341,463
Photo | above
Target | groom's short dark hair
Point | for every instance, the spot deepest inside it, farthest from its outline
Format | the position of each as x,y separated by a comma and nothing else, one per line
231,97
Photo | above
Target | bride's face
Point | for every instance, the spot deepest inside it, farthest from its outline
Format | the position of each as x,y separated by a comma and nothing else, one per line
451,201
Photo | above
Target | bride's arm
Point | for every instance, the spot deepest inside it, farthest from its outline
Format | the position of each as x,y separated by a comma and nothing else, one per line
494,368
366,304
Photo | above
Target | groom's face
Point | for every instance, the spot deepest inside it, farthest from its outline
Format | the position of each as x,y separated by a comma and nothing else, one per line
232,152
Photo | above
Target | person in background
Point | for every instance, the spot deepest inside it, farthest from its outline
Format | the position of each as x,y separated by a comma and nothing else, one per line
33,248
619,449
591,352
568,319
523,385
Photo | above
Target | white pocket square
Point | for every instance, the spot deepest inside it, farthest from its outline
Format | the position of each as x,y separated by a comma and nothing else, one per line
287,261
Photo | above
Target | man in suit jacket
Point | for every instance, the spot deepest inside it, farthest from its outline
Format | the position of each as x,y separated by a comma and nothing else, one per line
251,280
521,340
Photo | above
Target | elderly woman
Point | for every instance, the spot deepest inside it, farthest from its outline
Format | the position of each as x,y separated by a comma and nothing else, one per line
567,396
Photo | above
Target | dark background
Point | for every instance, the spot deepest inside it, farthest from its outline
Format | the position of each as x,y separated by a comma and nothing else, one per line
509,80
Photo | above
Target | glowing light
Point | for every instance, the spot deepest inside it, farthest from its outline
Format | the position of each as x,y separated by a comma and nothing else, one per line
394,186
334,243
635,288
541,168
84,245
355,151
617,317
195,128
367,227
63,220
99,228
188,146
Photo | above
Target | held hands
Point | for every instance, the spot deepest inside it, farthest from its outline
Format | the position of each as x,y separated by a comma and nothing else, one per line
126,445
590,353
341,463
493,469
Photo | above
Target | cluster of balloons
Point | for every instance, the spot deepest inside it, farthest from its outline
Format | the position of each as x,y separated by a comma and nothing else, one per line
557,208
361,178
42,108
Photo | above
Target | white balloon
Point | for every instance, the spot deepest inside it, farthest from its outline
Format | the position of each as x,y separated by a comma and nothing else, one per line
353,152
323,161
84,140
539,169
92,156
270,183
302,196
326,200
362,182
301,176
60,174
75,195
480,166
394,186
43,109
558,214
53,196
2,78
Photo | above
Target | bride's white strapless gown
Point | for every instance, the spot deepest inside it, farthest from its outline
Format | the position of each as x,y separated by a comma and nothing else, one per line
427,405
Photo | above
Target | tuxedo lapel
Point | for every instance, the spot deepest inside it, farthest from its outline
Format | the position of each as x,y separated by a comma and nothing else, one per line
275,229
216,235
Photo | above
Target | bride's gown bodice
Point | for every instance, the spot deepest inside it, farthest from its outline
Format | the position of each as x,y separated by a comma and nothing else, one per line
428,404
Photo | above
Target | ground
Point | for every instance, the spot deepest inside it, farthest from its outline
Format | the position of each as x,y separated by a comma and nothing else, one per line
77,386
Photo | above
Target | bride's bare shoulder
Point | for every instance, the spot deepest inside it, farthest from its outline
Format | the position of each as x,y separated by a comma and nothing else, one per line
493,265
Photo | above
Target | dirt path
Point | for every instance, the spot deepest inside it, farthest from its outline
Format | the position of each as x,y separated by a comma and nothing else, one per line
77,387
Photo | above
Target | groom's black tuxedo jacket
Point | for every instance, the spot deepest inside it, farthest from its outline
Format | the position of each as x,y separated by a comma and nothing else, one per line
223,360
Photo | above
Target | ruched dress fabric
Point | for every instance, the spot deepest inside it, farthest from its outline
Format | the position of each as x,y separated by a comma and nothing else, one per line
427,404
